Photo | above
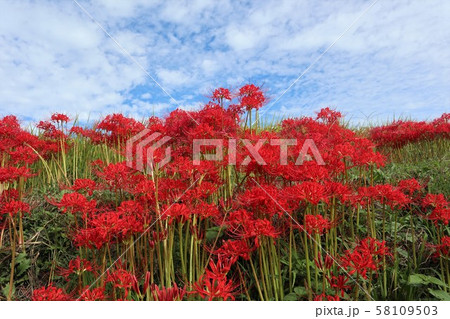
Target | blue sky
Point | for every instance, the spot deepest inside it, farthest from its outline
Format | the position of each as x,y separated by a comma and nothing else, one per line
395,61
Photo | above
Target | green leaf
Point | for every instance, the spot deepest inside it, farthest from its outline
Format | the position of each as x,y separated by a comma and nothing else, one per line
300,291
419,279
291,297
440,294
213,232
5,290
22,264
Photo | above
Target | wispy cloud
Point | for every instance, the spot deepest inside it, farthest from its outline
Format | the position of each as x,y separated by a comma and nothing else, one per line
395,60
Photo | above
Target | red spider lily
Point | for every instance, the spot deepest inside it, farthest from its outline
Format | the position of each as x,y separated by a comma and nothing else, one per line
234,249
409,186
11,174
221,94
251,97
121,278
325,297
76,266
22,155
316,224
111,226
119,203
178,212
215,289
385,194
57,117
310,192
339,283
339,191
260,200
439,205
84,184
14,207
51,132
443,249
326,264
94,294
329,116
9,195
174,293
401,132
205,210
75,203
50,293
221,268
243,225
412,188
117,176
136,286
366,256
117,128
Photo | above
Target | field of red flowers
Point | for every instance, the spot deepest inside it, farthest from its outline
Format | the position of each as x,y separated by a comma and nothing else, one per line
78,221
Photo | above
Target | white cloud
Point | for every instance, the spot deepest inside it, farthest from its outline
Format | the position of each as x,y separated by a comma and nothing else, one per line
54,58
173,78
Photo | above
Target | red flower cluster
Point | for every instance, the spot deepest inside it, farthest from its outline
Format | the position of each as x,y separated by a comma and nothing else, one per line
214,285
365,257
401,132
50,293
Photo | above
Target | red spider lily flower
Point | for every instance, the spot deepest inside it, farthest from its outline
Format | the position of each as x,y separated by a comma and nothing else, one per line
234,249
76,266
409,186
251,97
366,256
385,194
325,297
310,192
174,293
316,224
94,294
75,203
14,207
339,283
117,177
57,117
178,212
326,264
9,195
92,237
11,174
244,226
440,209
443,249
134,211
51,132
215,289
84,184
339,191
221,94
260,201
329,116
117,128
221,268
121,278
22,155
205,210
400,133
50,293
136,286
